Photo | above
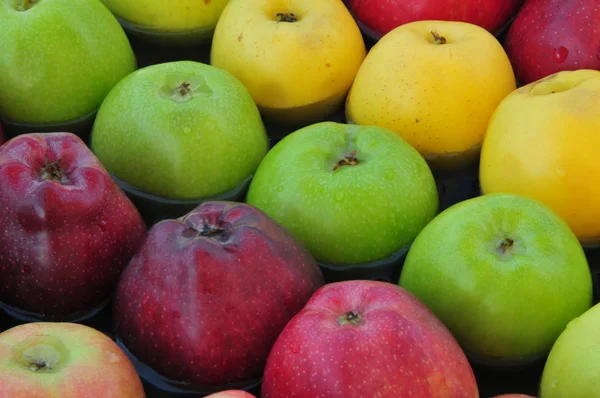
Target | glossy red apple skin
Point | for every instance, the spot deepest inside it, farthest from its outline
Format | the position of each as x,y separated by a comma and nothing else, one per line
206,309
382,16
63,245
231,394
549,36
397,348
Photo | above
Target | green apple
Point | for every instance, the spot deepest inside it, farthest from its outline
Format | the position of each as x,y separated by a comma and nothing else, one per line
573,365
353,194
173,21
64,360
58,59
503,272
180,130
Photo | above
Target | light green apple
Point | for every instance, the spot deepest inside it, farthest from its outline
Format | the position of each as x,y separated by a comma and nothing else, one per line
573,365
58,59
180,130
353,194
503,272
173,21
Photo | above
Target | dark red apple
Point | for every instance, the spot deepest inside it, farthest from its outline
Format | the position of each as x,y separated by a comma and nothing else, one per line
366,339
205,297
378,17
549,36
67,231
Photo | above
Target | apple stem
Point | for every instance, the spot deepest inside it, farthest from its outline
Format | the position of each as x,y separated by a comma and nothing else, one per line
350,318
437,38
286,17
349,160
27,4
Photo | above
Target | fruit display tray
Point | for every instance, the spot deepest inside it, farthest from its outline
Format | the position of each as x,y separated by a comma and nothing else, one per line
453,188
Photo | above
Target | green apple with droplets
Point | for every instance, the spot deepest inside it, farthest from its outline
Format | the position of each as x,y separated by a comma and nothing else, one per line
353,194
180,130
58,59
504,272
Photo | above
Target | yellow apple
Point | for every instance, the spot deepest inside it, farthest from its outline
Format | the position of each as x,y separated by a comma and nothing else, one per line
172,21
543,141
298,58
436,84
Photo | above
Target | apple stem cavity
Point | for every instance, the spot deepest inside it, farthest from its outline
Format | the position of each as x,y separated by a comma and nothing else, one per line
25,5
286,17
350,318
53,172
348,160
437,38
505,245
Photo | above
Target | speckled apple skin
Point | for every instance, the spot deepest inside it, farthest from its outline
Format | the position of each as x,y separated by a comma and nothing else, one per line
399,349
59,59
549,36
62,246
382,16
95,368
206,310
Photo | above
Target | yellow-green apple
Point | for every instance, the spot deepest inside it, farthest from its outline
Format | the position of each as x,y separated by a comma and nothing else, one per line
298,58
180,130
206,295
549,36
59,59
542,142
436,84
366,339
503,272
231,394
175,22
574,363
67,230
64,360
379,17
352,194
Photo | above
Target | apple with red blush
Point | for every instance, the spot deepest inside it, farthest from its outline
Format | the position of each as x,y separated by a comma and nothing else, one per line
550,36
378,17
366,339
206,295
68,231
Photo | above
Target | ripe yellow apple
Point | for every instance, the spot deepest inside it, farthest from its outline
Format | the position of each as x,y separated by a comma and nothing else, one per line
172,21
436,84
298,58
543,141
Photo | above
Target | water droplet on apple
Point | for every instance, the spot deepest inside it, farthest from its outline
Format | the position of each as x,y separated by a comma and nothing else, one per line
339,196
560,54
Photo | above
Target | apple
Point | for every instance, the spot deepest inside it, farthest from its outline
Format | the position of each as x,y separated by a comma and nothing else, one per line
549,36
66,360
574,362
67,230
231,394
180,130
205,297
380,17
504,273
62,59
366,339
352,194
436,84
178,22
297,58
542,142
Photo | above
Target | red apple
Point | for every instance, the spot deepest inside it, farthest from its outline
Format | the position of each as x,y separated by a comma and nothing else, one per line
64,360
549,36
231,394
378,17
67,230
366,339
205,297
